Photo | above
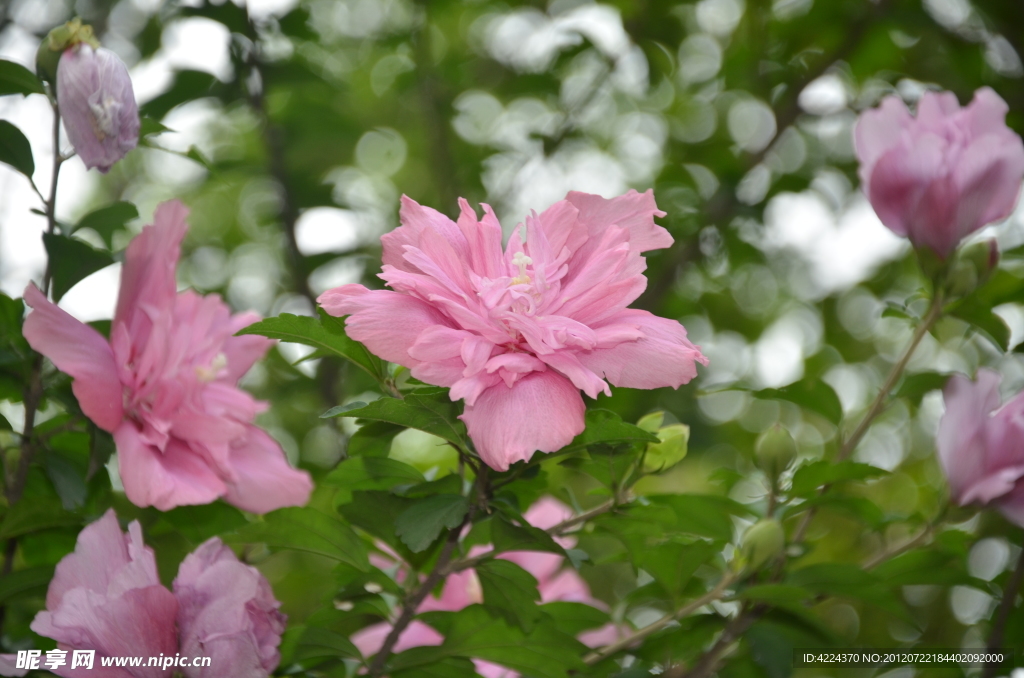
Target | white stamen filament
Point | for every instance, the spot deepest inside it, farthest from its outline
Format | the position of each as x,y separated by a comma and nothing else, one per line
208,374
522,261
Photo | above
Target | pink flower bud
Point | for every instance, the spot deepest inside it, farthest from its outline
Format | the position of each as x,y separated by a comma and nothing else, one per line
95,96
940,176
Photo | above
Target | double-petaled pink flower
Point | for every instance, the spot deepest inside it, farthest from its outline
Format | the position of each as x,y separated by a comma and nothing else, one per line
164,384
940,176
518,333
106,596
981,445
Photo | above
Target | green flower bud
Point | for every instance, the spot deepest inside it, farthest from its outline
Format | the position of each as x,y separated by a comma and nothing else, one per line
974,265
58,40
651,422
763,541
775,451
670,451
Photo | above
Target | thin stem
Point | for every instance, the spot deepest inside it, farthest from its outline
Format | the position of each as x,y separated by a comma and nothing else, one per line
882,557
736,627
995,638
413,601
714,594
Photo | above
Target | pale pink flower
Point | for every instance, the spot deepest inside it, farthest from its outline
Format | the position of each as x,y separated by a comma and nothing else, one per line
164,385
106,596
940,176
227,610
97,103
981,445
9,666
517,333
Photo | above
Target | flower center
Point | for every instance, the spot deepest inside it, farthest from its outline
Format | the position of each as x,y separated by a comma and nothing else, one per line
522,261
207,374
104,113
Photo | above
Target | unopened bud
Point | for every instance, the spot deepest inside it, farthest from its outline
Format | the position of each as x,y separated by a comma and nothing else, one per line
974,265
651,422
670,451
96,100
775,451
763,541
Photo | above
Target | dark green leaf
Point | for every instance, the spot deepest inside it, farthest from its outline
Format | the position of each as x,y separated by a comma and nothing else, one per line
574,618
316,642
67,479
431,411
370,473
775,594
923,567
71,260
373,439
985,322
673,564
21,581
472,632
306,529
809,477
816,396
509,537
607,428
15,149
420,524
915,386
704,515
447,667
325,333
32,516
108,219
849,581
149,127
511,592
771,649
16,79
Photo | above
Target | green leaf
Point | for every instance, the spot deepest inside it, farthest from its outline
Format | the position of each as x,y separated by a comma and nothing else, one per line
849,581
607,428
472,632
511,592
32,516
420,524
985,322
775,594
915,386
150,127
574,618
16,79
373,439
71,260
108,219
923,567
704,515
68,480
673,564
448,667
816,396
370,473
21,581
15,149
325,333
525,537
306,529
429,410
316,642
809,477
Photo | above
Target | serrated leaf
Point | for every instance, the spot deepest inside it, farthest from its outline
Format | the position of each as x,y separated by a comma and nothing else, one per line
370,473
306,529
815,396
106,220
472,632
16,79
431,411
324,332
71,260
15,149
511,592
809,477
509,537
420,524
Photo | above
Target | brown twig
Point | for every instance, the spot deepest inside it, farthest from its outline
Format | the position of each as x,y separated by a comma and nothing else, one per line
995,638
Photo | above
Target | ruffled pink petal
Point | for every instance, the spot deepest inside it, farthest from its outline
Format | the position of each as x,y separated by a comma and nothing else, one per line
934,108
417,220
878,131
543,412
243,352
175,477
633,211
664,357
988,181
389,323
986,113
961,435
265,479
147,277
483,239
80,351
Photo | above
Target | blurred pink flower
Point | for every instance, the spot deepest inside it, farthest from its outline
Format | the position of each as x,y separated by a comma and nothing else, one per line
518,333
106,596
227,610
940,176
97,103
165,384
981,445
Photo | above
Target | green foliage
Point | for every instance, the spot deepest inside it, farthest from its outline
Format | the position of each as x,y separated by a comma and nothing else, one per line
73,260
306,529
420,524
15,149
16,79
429,410
511,592
105,221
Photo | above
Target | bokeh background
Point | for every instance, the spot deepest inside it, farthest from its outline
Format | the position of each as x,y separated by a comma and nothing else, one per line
295,125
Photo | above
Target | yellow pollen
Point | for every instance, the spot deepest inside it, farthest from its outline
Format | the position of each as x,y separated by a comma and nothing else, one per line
522,261
208,374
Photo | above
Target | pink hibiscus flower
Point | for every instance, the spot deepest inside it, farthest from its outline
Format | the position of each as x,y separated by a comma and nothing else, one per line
164,384
517,333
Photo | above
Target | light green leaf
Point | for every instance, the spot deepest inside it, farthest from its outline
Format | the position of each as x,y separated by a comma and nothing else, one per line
306,529
370,473
809,477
